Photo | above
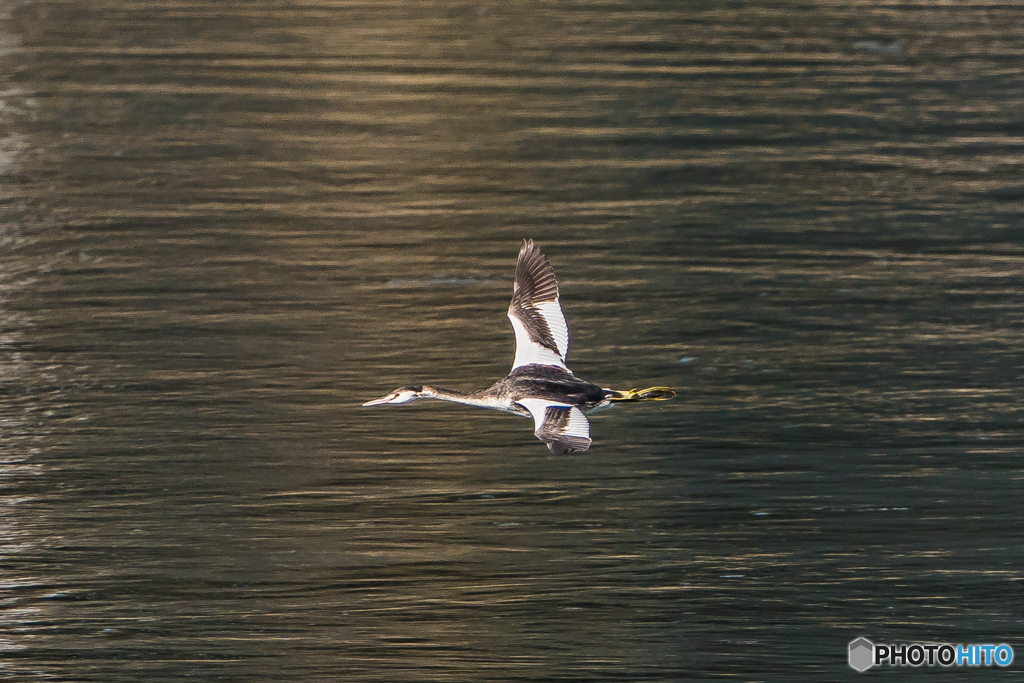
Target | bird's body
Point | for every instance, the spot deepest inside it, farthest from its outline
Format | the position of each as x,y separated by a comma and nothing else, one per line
539,385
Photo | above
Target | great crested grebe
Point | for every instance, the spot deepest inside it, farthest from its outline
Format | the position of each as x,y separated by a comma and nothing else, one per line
540,385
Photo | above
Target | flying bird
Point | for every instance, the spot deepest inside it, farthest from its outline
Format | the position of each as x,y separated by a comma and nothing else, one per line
540,384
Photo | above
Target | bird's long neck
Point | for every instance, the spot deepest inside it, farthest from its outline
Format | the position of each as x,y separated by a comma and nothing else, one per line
481,399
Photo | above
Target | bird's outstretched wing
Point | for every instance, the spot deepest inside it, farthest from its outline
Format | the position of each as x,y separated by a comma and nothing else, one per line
542,335
564,428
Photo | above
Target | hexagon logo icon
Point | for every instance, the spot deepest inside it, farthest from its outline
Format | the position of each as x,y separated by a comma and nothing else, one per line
862,654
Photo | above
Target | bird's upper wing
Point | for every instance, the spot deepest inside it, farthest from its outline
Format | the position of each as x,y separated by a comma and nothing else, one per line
542,335
562,427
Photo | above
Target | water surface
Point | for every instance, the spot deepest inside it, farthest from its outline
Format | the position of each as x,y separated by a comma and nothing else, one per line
226,225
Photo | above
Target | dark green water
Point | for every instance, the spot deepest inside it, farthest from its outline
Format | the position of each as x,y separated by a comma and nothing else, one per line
224,225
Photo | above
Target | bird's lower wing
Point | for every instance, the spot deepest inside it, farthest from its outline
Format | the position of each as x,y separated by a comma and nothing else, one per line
564,428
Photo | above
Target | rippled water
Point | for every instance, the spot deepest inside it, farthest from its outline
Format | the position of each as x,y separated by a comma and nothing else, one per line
225,225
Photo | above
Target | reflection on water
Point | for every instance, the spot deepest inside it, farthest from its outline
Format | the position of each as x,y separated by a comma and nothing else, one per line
226,225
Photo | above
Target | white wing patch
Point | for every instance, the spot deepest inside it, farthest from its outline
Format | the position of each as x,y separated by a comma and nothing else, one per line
537,408
551,311
578,425
529,352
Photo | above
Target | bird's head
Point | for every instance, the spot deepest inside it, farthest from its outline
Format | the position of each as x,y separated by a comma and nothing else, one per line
402,395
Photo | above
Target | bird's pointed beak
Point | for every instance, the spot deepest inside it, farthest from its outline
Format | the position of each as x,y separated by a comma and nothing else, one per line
379,401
